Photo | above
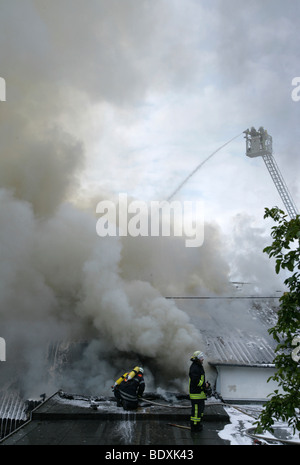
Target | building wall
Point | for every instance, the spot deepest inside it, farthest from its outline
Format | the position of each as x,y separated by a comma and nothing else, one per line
244,383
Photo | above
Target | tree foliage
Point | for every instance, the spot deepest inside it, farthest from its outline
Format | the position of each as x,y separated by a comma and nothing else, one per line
284,402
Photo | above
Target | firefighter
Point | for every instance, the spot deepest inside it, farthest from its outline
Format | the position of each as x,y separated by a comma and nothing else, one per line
129,389
197,386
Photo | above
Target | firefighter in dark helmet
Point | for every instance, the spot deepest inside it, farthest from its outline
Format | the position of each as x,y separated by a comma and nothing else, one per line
197,386
129,388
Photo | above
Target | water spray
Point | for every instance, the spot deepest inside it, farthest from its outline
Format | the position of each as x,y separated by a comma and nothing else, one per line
200,166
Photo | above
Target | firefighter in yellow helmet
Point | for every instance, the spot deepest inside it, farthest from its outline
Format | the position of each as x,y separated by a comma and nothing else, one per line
197,386
129,388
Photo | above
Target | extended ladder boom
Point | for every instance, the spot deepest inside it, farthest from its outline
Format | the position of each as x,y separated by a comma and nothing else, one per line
259,144
280,185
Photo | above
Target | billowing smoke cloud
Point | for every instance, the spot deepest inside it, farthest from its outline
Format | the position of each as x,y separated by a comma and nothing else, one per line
59,282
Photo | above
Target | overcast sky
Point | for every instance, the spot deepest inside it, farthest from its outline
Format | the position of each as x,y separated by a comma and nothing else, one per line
150,88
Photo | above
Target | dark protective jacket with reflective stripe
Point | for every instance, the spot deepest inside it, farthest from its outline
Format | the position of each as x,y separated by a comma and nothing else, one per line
132,389
196,381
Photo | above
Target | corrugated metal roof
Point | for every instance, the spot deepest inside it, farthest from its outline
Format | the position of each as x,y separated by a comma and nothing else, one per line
12,411
234,333
11,405
238,350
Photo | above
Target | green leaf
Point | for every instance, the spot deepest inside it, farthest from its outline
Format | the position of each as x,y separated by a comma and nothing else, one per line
278,264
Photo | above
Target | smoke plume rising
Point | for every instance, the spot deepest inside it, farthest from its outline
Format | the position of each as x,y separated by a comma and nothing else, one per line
61,284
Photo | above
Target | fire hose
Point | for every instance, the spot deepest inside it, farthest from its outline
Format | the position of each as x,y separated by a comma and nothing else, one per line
268,439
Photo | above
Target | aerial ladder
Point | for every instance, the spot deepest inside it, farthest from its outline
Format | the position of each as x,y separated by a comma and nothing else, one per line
259,144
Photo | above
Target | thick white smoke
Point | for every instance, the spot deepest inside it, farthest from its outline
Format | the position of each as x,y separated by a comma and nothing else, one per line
59,281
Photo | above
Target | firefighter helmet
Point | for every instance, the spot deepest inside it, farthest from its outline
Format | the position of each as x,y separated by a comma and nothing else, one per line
198,355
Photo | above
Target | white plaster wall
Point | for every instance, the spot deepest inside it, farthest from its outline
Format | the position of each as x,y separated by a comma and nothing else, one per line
245,383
